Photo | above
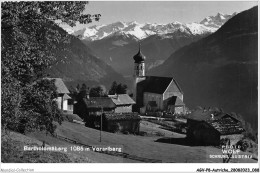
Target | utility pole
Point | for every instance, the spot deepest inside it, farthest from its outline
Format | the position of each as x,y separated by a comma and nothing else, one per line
101,123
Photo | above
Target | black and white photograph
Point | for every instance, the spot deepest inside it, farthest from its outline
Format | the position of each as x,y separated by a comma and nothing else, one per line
147,83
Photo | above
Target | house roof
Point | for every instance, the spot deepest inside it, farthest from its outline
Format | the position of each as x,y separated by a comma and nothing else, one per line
122,116
156,84
98,102
61,87
66,97
122,99
174,100
226,126
222,122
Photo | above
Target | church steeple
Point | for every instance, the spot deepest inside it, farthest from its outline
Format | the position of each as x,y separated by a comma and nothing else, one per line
139,70
139,57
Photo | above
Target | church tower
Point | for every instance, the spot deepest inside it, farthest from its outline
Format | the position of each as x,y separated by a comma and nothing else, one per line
139,70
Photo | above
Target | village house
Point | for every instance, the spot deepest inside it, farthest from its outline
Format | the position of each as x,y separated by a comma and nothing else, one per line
123,102
210,128
63,98
89,109
155,92
115,111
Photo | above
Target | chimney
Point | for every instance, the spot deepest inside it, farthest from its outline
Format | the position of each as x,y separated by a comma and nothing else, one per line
87,93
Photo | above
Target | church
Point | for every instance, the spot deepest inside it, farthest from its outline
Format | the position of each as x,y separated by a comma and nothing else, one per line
155,93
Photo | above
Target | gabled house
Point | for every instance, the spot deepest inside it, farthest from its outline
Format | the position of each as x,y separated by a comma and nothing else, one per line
123,102
90,109
94,106
115,111
63,94
210,128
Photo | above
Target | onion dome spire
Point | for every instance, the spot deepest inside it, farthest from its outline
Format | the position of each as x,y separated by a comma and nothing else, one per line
139,57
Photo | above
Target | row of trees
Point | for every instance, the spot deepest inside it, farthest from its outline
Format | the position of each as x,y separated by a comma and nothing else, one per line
99,91
28,37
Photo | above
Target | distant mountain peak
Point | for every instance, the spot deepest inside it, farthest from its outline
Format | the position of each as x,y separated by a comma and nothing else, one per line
220,14
140,31
218,20
132,22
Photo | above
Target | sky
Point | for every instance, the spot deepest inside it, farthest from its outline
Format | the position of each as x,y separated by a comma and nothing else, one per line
161,11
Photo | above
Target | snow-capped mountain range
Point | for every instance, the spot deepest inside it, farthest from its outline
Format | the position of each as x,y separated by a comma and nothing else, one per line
140,31
217,21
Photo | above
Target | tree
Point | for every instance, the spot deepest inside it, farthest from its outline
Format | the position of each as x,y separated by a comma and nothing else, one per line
117,88
113,88
28,36
39,106
121,89
96,92
83,87
84,90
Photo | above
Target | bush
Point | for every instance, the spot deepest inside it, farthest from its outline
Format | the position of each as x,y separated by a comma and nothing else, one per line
247,145
115,128
243,145
159,134
70,117
224,141
126,132
142,133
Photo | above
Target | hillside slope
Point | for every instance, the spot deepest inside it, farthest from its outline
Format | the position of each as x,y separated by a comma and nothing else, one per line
221,69
12,151
118,50
77,64
142,146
